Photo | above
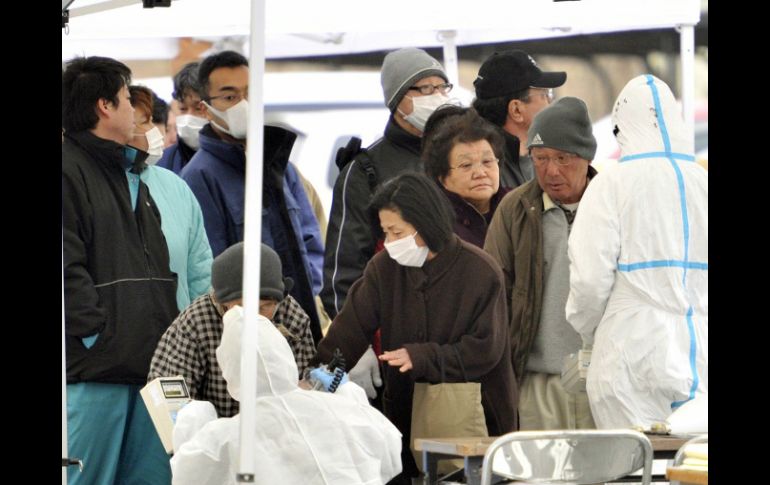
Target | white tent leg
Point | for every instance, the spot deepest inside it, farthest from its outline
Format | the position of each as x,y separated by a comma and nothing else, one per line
448,38
252,239
63,386
687,54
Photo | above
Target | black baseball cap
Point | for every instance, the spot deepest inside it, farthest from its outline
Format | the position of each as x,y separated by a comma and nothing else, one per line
509,72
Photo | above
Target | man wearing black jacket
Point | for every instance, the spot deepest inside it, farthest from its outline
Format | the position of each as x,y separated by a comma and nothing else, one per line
119,292
414,84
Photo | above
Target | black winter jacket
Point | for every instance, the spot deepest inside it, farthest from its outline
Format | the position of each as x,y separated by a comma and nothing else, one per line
117,281
350,243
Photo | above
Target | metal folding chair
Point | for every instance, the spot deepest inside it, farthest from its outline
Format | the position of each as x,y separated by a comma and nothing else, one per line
574,457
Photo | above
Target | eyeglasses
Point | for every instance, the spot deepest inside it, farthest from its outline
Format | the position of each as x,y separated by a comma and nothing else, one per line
428,89
560,160
233,98
547,92
467,167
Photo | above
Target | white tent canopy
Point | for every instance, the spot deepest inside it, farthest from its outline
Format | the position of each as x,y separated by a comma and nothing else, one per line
309,28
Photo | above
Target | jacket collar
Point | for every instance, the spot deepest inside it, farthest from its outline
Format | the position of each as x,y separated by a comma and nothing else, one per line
399,136
106,152
278,143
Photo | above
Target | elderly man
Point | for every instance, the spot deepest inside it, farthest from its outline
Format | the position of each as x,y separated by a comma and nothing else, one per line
639,266
528,237
510,90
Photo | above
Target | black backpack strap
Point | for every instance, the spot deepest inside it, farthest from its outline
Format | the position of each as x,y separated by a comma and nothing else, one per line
368,167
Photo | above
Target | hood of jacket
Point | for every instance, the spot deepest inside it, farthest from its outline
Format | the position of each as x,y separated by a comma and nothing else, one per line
276,369
649,119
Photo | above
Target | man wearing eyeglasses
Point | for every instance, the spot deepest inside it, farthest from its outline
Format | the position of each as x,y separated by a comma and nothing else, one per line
528,237
217,176
414,84
510,90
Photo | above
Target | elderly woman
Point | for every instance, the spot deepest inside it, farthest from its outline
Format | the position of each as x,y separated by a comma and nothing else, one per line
416,293
461,153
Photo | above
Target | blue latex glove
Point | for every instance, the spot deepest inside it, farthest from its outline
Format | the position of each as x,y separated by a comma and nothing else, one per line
325,377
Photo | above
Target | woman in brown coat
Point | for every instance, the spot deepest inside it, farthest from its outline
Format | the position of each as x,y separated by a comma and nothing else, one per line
434,297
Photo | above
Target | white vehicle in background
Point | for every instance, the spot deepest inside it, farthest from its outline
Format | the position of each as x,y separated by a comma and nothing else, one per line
324,109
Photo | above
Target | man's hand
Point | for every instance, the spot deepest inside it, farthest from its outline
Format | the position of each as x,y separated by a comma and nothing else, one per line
366,373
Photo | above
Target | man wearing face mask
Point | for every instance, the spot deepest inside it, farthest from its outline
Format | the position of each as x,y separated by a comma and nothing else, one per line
189,122
217,176
414,84
181,217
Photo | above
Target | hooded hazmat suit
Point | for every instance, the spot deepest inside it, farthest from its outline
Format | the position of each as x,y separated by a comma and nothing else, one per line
639,266
302,437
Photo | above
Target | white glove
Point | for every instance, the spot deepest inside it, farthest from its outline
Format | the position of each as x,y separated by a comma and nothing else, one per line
366,373
190,419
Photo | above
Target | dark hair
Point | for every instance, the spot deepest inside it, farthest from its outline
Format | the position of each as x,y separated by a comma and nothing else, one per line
419,201
85,81
495,110
187,80
141,98
437,118
159,109
465,128
215,61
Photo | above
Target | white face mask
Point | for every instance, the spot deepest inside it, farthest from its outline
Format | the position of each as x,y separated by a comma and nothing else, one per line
237,118
406,252
423,107
187,127
154,145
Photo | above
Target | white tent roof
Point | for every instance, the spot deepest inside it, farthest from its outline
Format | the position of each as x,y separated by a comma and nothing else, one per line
307,28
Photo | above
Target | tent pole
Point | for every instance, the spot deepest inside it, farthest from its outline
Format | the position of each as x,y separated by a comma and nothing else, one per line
687,88
447,38
252,239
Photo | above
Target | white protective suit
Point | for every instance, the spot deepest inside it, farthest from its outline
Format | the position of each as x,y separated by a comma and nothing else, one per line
303,437
639,266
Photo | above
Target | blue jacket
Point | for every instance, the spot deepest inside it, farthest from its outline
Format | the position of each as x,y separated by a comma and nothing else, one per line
182,224
217,177
176,156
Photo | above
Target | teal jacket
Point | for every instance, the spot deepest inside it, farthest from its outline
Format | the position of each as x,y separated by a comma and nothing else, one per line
182,225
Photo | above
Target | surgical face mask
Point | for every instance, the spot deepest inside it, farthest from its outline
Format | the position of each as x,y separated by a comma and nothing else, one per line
406,252
154,145
187,127
237,118
423,107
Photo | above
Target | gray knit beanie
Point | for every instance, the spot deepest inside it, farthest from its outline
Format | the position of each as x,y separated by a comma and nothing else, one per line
402,68
566,126
227,275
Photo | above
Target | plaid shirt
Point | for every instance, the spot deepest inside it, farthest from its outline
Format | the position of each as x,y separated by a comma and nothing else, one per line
188,347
